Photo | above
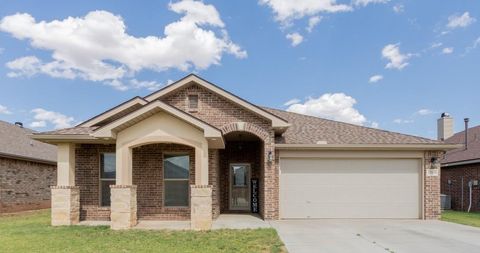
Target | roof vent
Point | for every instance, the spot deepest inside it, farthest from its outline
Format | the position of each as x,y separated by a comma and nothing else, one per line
19,124
445,115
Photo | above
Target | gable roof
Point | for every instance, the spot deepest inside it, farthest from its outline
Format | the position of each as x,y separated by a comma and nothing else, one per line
213,134
310,130
15,142
115,112
278,123
462,155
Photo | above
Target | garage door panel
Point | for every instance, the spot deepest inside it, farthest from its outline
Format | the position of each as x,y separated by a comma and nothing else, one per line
356,188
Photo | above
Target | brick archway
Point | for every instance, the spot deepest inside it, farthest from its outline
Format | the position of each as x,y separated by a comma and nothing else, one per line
245,127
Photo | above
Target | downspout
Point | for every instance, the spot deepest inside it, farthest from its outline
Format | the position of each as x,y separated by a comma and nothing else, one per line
470,185
466,132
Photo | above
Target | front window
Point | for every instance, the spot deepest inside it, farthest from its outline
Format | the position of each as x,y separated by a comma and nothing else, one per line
193,102
176,179
107,176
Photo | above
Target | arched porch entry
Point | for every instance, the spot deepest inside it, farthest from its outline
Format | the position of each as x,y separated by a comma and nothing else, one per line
242,169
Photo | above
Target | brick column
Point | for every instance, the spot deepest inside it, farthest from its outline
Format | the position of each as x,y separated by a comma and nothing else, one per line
65,205
431,176
123,206
201,207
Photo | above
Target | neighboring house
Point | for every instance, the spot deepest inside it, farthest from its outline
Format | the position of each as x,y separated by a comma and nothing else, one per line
27,169
461,166
192,151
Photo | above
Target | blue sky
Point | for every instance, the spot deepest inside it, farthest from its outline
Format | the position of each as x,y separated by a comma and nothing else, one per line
395,65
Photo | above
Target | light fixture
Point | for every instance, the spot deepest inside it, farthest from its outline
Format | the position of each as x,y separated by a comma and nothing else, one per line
270,156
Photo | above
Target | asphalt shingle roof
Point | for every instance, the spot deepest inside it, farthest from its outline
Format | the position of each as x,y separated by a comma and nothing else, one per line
310,130
460,154
15,141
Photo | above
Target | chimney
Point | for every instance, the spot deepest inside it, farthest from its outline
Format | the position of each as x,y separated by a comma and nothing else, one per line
444,127
466,132
19,124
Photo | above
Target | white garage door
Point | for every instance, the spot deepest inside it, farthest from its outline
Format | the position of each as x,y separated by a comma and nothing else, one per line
349,188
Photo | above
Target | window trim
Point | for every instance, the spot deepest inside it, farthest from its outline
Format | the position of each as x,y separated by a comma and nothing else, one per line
190,109
100,179
179,153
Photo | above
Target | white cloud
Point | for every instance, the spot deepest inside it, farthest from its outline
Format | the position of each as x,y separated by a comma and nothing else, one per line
295,38
38,124
396,59
367,2
292,101
398,8
474,45
58,120
375,78
335,106
149,85
457,21
4,110
97,47
287,10
436,44
447,50
403,121
312,22
424,112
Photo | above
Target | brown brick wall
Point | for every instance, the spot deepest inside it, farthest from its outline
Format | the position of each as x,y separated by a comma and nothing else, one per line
431,187
25,185
147,172
455,189
87,178
214,180
224,114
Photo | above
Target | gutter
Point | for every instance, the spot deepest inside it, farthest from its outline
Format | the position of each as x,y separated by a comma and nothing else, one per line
72,138
442,147
466,162
28,159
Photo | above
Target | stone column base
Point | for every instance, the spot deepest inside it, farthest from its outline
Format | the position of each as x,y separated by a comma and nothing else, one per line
65,205
201,207
123,206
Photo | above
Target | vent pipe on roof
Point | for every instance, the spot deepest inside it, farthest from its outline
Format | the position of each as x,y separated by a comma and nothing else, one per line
19,124
466,132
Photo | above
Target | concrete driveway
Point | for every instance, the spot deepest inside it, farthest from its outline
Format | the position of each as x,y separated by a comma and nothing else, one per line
410,236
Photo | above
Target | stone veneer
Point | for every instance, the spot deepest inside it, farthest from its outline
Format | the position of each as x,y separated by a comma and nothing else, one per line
124,206
65,205
201,207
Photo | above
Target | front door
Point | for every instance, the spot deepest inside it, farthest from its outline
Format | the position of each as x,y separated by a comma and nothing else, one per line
240,186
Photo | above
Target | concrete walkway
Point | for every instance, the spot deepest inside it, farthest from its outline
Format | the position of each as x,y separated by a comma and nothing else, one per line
397,236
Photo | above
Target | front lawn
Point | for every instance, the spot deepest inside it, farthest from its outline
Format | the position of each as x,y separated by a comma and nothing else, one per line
471,219
31,232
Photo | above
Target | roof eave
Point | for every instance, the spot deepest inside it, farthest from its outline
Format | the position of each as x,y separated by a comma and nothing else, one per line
441,147
458,163
70,138
29,159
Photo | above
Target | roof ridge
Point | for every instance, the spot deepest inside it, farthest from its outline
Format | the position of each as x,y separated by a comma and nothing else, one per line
350,124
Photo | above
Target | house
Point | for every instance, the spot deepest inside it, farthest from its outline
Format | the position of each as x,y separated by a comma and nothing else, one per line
27,169
192,151
461,166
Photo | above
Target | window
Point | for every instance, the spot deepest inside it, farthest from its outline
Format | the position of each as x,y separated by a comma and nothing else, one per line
193,102
107,176
176,175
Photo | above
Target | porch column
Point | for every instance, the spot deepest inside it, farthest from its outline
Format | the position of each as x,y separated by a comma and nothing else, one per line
65,195
201,193
123,209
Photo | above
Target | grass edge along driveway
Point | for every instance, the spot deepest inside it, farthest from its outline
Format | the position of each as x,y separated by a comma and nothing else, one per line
31,232
470,219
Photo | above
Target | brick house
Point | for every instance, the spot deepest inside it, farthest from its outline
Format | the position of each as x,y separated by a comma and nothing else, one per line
193,151
27,169
461,166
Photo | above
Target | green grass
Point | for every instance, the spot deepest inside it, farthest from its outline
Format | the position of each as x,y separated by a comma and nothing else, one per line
31,232
471,219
